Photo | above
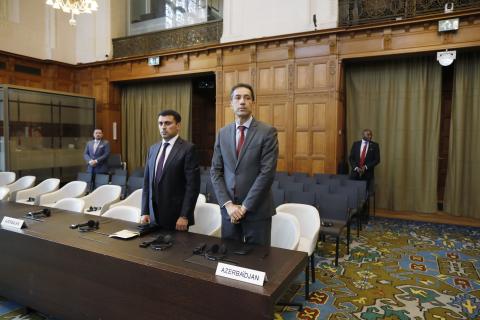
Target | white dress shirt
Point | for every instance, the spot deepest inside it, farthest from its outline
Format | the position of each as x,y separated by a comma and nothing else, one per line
167,153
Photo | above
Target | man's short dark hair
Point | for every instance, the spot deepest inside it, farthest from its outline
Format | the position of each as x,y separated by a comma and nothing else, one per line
170,112
242,85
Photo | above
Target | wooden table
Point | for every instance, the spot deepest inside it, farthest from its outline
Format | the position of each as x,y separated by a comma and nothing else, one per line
71,275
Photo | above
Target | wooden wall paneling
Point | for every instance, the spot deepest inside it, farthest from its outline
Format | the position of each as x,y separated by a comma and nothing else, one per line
233,56
312,75
202,61
272,78
312,139
274,111
219,96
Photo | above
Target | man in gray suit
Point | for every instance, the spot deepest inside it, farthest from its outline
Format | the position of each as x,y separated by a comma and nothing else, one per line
96,153
243,168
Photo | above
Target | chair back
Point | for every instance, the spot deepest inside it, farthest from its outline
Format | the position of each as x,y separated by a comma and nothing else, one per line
4,191
46,186
309,221
21,184
101,179
73,189
285,231
70,204
114,161
133,200
317,188
291,186
299,196
208,219
278,197
133,184
332,206
201,199
86,177
102,196
7,177
139,172
126,213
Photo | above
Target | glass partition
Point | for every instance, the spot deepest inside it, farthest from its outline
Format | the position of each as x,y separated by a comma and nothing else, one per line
46,132
155,15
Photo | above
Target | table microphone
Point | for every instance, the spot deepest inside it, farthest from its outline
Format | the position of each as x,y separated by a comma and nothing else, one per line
43,212
89,223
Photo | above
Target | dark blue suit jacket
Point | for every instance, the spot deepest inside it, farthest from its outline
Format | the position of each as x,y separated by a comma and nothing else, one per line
177,192
101,155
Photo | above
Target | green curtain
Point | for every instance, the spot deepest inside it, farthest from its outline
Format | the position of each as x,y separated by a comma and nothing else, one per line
141,104
399,100
463,174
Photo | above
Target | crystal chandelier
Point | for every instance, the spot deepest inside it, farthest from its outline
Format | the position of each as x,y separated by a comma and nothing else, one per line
74,7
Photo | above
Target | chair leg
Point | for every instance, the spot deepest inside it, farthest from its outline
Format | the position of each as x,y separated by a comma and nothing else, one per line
336,250
307,283
348,237
359,224
312,266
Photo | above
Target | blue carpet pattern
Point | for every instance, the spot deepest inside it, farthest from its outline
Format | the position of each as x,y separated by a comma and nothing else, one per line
396,270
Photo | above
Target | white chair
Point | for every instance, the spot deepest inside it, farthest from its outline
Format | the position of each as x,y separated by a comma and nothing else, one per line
7,177
286,235
309,220
101,198
133,200
285,231
70,204
29,196
22,183
201,199
4,191
72,189
208,219
127,213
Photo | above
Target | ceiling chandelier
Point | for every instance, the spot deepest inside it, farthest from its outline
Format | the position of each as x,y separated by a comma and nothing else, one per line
74,7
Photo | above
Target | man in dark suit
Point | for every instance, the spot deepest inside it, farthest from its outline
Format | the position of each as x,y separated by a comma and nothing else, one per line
364,156
171,179
243,169
96,153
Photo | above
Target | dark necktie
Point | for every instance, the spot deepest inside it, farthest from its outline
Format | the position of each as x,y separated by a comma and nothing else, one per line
158,174
363,155
241,140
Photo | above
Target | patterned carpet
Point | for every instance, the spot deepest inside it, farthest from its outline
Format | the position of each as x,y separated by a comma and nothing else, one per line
396,270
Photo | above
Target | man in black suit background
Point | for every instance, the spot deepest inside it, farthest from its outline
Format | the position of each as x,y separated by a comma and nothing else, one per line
172,178
364,156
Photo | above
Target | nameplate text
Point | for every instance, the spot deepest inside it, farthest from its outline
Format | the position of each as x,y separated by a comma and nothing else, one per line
241,274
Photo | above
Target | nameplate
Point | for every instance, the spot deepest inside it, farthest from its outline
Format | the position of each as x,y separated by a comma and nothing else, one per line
12,223
241,274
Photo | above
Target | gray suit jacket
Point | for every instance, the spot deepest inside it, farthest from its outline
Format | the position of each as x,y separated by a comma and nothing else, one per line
247,179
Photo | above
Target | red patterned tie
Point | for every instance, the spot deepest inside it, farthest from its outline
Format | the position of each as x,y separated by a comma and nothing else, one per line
363,155
241,140
158,174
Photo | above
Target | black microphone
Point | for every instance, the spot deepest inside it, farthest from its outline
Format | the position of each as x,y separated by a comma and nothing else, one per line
89,223
44,212
315,21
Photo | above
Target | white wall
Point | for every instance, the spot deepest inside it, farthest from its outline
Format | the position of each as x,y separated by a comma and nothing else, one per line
31,28
249,19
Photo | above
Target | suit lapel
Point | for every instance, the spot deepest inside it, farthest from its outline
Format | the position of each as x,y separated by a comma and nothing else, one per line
153,159
252,130
233,145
